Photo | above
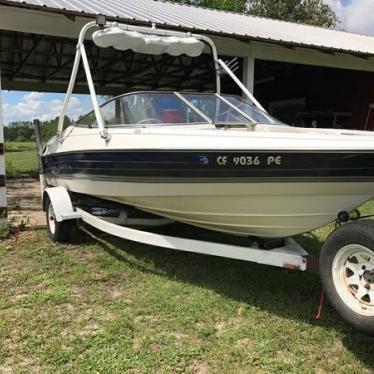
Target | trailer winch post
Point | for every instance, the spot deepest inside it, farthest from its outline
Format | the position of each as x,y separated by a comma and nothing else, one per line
39,148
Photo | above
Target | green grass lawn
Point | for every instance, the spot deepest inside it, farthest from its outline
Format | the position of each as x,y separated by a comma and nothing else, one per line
21,159
109,305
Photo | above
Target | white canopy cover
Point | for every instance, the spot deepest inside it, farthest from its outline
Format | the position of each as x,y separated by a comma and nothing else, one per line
149,44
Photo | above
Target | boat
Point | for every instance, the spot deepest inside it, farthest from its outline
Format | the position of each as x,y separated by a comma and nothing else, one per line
207,159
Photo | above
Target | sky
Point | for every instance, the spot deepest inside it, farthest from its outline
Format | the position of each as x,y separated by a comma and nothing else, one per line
26,106
355,15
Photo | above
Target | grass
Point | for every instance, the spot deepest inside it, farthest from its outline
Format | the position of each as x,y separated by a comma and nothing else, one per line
21,159
108,305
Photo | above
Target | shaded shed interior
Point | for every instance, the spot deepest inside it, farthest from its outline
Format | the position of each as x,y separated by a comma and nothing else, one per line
302,94
44,63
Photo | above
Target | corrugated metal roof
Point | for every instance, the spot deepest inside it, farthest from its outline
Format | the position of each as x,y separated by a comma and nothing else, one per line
212,21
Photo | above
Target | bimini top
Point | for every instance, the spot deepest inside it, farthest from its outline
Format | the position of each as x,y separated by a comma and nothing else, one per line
138,42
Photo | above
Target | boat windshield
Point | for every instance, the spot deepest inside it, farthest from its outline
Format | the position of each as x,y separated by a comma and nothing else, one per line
228,109
157,108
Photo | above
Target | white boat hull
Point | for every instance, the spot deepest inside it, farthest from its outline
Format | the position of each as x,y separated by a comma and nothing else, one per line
258,209
272,182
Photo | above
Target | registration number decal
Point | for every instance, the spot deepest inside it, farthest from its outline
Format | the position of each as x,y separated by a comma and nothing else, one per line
249,160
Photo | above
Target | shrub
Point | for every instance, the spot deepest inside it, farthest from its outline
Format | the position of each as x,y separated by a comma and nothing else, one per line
8,228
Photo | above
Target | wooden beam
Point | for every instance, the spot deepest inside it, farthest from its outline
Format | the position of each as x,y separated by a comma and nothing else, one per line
80,88
39,22
309,56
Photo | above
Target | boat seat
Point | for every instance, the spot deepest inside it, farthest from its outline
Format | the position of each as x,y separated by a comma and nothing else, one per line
172,116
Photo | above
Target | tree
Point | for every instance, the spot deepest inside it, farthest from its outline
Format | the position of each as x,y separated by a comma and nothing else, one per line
24,131
231,5
311,12
21,138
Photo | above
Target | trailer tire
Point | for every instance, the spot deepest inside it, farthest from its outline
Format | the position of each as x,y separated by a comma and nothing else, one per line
59,231
347,273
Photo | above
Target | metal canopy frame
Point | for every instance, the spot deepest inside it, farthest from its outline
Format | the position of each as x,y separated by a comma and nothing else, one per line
81,55
101,23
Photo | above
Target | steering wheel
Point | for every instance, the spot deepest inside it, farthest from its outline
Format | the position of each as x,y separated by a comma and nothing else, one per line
148,120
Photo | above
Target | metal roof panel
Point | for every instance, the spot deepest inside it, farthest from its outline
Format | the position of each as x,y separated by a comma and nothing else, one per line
212,21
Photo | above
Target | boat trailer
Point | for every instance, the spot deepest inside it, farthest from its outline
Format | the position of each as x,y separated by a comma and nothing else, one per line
61,210
346,263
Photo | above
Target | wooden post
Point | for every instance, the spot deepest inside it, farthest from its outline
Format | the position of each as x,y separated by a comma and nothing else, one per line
3,201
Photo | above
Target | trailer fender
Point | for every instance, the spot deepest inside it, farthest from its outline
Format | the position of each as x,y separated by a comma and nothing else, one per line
61,203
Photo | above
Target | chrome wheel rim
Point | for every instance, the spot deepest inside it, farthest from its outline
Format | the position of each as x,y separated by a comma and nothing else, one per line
51,219
353,277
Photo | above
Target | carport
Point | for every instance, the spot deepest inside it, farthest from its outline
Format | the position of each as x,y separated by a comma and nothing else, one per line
284,63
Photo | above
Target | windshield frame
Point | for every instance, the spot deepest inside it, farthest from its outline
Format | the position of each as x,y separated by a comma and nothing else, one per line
181,96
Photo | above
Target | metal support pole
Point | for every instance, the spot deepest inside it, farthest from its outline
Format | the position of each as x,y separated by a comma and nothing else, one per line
70,91
3,200
249,73
95,104
216,63
81,54
73,74
241,85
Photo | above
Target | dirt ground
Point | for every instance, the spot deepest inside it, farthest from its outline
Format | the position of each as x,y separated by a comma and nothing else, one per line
24,201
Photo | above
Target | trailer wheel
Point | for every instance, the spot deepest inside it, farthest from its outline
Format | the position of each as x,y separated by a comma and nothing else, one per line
58,231
347,273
